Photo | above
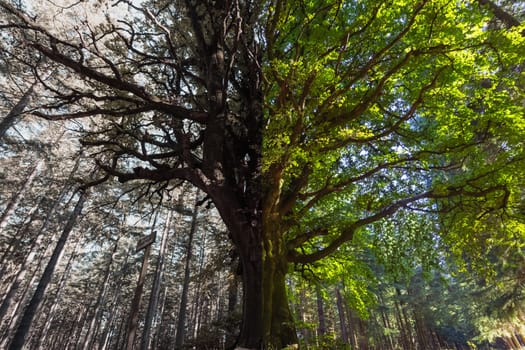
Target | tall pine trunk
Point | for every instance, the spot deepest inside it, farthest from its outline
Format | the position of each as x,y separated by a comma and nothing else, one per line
341,315
181,322
29,261
17,197
31,309
56,299
321,328
197,304
22,234
100,300
155,292
10,119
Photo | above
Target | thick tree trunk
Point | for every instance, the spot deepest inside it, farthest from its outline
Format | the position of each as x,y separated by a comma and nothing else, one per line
280,329
267,319
251,334
507,18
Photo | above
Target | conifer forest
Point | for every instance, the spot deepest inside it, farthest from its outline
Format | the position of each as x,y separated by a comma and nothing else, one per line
262,174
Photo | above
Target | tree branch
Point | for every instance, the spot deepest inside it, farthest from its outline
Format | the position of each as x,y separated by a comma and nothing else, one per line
348,232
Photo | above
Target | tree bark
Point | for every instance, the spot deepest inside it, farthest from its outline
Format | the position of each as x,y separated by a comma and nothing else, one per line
266,283
352,328
17,280
280,330
251,334
114,312
160,323
405,342
267,321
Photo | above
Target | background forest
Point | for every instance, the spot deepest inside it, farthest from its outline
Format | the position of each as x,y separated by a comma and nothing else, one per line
419,278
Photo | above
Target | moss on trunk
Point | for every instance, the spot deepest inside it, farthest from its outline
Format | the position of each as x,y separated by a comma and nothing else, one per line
279,326
267,320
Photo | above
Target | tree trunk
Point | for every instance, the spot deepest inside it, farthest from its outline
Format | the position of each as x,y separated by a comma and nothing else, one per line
507,18
100,300
55,303
405,342
251,334
280,329
352,328
15,200
321,327
386,321
11,320
29,261
73,341
181,322
31,309
18,279
133,320
10,119
197,304
43,246
22,234
108,331
160,323
408,329
341,314
264,286
267,321
155,292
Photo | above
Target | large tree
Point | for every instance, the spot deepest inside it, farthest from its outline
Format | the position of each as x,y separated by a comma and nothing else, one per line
303,121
